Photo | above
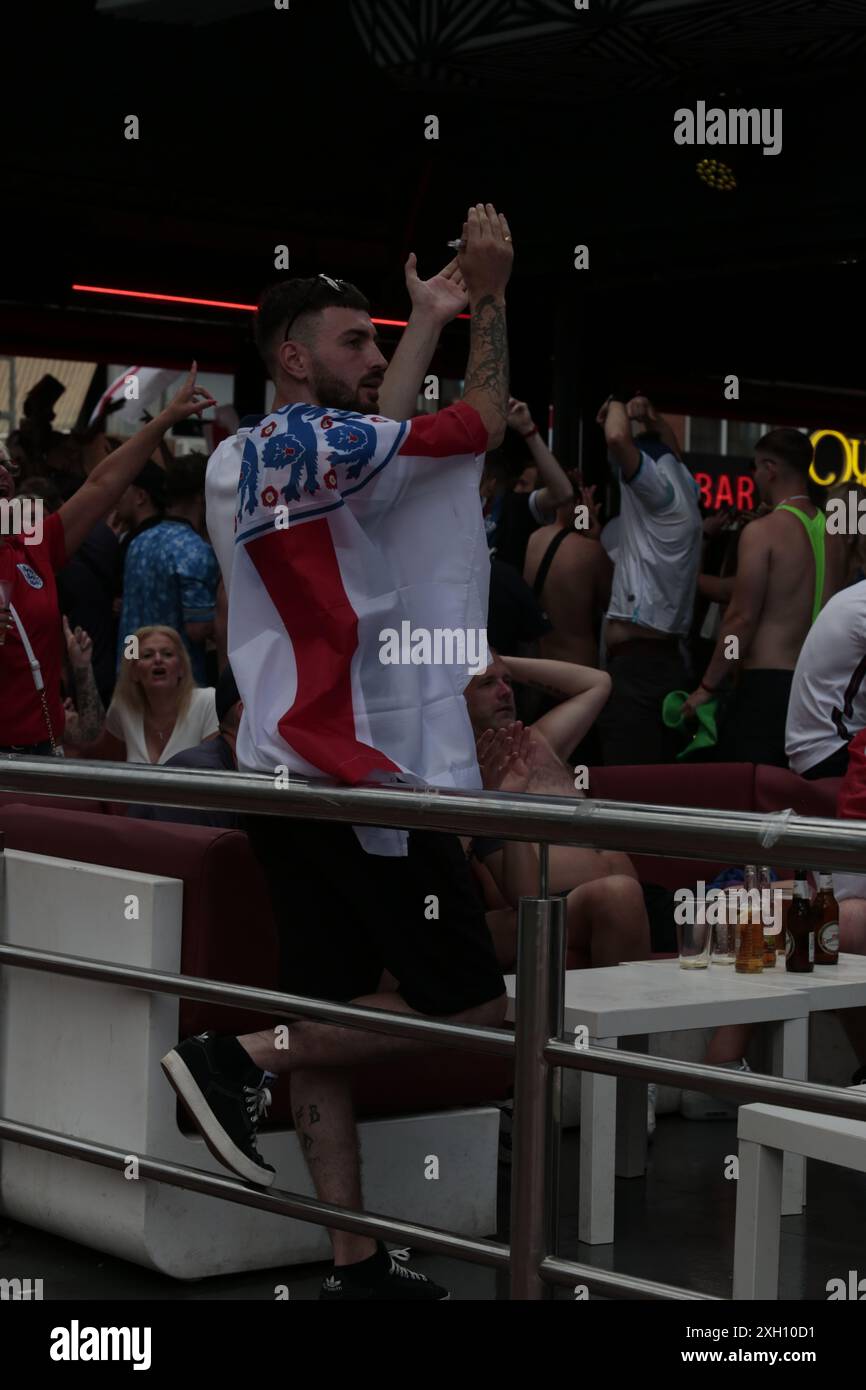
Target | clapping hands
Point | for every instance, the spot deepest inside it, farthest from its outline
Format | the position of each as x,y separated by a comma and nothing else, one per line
506,758
442,297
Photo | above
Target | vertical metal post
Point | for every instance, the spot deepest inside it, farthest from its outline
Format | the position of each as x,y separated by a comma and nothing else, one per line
4,938
532,1031
544,870
556,984
3,904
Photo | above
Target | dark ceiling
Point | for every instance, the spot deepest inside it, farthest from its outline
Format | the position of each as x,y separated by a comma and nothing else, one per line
305,126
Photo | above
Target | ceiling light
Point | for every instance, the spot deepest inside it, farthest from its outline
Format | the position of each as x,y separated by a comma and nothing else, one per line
716,174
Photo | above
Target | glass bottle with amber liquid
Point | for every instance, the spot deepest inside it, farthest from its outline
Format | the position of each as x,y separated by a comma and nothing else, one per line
826,910
750,930
800,929
765,884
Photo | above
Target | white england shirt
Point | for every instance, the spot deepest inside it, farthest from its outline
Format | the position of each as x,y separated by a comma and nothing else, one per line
384,527
827,705
659,544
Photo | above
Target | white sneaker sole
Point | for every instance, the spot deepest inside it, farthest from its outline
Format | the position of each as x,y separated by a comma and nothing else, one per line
218,1141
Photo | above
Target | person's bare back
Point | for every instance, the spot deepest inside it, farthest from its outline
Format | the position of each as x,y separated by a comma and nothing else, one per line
575,594
786,614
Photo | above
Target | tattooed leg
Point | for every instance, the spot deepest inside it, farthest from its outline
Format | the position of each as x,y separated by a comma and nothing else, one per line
325,1123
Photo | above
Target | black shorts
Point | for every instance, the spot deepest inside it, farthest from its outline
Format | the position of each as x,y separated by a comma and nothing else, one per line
836,765
631,729
754,724
343,916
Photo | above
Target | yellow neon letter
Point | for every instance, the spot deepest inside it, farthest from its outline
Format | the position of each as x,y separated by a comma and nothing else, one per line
814,440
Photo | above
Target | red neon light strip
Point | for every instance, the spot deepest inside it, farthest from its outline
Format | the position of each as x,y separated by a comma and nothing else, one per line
166,298
207,303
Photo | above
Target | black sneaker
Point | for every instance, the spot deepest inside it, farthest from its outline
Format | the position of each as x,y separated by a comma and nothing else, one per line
226,1106
383,1276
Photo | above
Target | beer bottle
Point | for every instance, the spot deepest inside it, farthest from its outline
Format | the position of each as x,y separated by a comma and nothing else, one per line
765,885
800,933
750,931
826,911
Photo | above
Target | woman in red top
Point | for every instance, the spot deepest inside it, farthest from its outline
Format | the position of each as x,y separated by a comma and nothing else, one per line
32,719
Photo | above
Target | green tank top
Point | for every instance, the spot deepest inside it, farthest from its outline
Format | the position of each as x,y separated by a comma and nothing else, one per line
816,531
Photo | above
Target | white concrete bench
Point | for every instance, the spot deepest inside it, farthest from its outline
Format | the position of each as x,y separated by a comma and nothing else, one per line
765,1133
83,1058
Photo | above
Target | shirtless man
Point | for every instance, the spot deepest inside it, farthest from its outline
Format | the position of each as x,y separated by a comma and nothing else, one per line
490,700
606,913
787,569
658,558
575,590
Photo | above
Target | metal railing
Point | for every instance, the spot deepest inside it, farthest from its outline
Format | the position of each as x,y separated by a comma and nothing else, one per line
536,1046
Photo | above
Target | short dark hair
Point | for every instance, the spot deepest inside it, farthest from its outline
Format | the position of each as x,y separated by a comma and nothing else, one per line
185,478
45,490
280,304
788,447
151,479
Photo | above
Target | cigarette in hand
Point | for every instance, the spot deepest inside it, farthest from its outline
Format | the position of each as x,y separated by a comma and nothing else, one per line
458,245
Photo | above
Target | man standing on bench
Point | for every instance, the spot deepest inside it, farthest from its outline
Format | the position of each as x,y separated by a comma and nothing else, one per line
384,526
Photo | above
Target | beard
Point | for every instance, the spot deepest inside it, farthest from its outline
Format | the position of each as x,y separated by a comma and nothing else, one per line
337,394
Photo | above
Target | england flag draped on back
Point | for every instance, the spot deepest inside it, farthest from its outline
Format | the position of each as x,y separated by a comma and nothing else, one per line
349,525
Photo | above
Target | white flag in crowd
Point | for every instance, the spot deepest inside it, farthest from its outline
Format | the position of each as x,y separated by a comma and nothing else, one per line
133,392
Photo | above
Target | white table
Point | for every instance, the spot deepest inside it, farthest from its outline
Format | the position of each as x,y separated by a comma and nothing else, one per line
841,986
764,1131
631,1001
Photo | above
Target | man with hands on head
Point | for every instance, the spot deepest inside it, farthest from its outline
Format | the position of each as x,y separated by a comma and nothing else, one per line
511,516
653,593
583,692
606,916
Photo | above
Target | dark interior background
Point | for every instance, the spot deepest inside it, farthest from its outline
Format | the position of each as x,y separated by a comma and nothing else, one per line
305,126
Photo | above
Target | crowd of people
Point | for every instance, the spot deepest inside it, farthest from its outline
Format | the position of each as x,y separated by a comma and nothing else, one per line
167,616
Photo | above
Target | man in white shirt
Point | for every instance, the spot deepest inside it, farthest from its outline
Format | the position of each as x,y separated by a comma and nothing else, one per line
824,737
301,603
827,706
653,594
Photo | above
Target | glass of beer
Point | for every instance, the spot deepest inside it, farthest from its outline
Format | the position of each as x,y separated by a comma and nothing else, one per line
693,942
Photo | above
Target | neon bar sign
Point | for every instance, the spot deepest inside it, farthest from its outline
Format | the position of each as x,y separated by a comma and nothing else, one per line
850,455
726,490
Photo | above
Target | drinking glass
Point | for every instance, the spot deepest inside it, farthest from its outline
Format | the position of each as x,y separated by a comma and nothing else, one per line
724,933
693,943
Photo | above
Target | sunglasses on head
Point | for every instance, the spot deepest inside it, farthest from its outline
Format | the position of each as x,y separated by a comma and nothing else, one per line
306,298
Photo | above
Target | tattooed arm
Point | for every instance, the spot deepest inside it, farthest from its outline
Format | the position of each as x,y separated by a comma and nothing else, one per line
485,263
86,724
91,711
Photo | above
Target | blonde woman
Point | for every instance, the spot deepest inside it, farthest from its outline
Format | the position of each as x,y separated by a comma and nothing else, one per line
157,710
